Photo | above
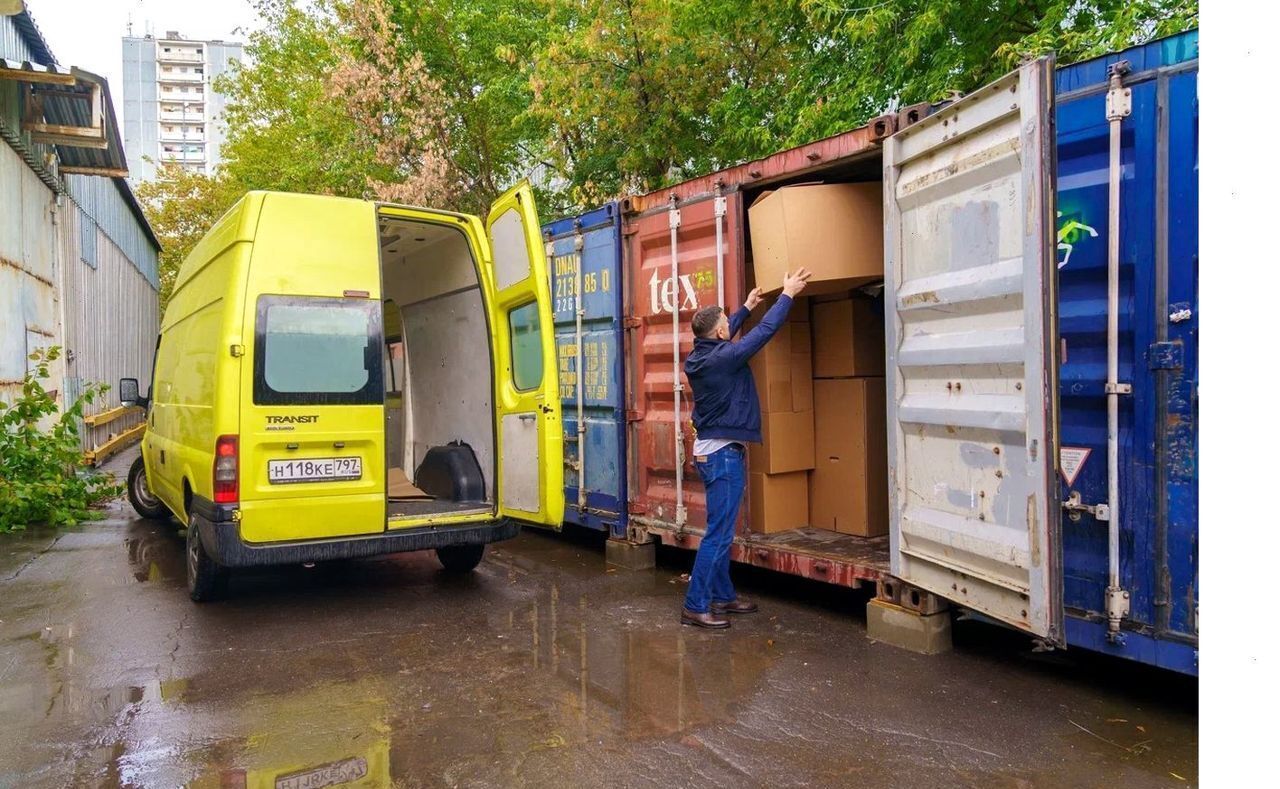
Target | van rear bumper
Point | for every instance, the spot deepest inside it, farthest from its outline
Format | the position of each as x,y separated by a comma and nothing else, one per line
222,540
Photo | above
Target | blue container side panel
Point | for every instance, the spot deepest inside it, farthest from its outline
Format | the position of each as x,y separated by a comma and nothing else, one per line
1158,518
600,365
1181,376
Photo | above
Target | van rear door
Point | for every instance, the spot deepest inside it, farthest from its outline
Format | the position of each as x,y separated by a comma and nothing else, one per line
311,404
972,372
530,440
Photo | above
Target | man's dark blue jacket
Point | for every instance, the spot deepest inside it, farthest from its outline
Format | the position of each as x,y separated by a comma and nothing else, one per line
724,394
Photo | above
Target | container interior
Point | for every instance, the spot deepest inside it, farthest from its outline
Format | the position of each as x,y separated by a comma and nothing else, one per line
776,522
439,429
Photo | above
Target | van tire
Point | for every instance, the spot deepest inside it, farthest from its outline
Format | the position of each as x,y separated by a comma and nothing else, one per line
146,503
460,558
206,579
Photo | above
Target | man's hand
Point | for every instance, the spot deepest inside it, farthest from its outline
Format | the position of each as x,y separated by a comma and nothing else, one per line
794,282
753,299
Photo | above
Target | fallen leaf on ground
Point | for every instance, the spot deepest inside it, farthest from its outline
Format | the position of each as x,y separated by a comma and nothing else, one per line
1175,775
1142,729
1117,720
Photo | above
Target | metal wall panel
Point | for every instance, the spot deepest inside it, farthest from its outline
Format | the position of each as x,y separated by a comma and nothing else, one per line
29,306
112,316
591,242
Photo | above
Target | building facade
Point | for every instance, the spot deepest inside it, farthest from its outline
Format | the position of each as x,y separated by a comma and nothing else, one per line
171,111
78,260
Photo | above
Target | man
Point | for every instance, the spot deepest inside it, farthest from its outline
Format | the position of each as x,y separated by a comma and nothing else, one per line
726,413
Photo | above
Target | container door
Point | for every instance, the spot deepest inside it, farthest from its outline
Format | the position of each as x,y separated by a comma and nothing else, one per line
530,442
972,377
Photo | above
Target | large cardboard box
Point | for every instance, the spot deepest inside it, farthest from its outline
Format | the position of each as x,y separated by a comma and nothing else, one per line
848,338
778,502
849,485
788,443
834,230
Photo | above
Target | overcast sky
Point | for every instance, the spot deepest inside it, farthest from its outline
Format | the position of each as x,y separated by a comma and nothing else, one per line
87,33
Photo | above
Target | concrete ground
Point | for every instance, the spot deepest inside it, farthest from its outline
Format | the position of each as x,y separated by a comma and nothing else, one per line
541,668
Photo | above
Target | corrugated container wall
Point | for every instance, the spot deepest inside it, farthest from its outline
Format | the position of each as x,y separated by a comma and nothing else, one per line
1159,326
661,300
587,249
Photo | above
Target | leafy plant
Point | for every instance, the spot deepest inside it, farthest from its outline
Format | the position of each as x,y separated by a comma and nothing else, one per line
43,475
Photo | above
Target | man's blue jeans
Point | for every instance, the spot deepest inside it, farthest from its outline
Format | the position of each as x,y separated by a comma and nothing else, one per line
724,477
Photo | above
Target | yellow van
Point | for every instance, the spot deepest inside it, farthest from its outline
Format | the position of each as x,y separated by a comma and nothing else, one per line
338,378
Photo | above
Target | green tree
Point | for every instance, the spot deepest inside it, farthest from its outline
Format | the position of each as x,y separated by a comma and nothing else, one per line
181,207
872,56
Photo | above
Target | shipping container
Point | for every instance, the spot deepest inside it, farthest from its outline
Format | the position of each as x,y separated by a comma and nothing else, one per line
1158,349
585,257
982,389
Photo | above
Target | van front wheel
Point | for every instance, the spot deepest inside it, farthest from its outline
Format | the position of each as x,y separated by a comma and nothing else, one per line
460,558
147,504
206,580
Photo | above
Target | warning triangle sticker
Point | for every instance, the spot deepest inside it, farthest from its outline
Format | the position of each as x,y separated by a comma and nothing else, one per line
1071,460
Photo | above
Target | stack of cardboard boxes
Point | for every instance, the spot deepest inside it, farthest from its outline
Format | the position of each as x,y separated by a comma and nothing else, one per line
821,379
778,487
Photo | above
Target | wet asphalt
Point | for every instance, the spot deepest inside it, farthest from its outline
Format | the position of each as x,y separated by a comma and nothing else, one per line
542,668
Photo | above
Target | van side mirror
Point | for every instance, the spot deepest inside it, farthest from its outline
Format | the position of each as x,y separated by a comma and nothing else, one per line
128,390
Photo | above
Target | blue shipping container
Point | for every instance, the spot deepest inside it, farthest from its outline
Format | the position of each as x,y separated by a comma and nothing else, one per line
1159,325
592,241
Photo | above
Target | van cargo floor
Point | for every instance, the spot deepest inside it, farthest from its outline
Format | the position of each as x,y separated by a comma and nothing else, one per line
412,507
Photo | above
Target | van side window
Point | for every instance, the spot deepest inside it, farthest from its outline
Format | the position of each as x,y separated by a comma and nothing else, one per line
526,347
317,351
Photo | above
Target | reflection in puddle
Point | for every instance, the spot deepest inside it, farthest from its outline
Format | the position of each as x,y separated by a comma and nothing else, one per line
155,552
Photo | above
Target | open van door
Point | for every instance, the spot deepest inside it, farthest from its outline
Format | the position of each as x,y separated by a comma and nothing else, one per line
971,329
527,398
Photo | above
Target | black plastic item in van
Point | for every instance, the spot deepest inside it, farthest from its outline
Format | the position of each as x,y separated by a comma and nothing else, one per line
450,472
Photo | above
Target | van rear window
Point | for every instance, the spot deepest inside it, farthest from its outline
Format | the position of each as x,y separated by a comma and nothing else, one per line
310,350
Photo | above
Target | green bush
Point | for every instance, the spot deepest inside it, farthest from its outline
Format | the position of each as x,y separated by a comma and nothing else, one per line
43,475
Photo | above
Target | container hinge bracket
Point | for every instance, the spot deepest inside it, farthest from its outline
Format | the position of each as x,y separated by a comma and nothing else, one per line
1119,98
630,323
634,416
1075,506
722,206
673,217
1164,356
1118,388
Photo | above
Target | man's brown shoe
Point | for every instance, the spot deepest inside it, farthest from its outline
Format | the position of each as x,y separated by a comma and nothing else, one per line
708,620
739,606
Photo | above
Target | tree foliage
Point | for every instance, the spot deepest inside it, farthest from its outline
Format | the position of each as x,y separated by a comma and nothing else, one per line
446,102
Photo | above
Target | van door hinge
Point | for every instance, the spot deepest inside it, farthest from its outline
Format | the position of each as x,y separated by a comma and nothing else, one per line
237,349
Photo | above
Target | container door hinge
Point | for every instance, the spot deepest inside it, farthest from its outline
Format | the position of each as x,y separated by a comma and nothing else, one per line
1075,507
1119,99
630,323
1118,389
1164,356
634,416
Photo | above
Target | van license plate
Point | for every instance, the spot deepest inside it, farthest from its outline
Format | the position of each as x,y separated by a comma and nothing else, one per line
285,472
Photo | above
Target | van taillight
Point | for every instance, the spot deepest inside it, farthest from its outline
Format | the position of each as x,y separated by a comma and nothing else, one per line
226,471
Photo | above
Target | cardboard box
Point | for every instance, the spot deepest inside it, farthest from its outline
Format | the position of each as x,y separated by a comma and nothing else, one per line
778,502
849,485
848,338
783,370
834,230
788,443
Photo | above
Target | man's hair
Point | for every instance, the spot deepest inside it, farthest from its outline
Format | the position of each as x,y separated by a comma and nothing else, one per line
705,320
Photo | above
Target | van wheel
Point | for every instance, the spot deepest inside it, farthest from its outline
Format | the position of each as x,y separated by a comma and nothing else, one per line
460,558
206,580
147,504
